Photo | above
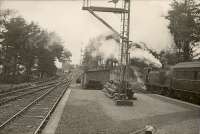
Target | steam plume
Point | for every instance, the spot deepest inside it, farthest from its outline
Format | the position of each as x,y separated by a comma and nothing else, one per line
146,57
105,46
142,52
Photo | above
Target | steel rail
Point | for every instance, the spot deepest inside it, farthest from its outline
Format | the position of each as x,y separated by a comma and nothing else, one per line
44,121
20,90
44,80
14,88
4,101
26,88
23,87
29,105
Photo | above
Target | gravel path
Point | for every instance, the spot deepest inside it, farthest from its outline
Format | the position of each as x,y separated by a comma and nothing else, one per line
90,112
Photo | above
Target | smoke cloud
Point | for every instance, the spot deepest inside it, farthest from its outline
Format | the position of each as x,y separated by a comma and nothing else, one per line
146,57
106,46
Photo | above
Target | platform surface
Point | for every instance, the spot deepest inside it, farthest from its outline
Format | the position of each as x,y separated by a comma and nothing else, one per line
91,112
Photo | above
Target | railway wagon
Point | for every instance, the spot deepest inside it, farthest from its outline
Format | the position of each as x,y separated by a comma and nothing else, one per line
182,81
95,78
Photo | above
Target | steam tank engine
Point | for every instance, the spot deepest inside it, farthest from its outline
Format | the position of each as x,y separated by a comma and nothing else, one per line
181,82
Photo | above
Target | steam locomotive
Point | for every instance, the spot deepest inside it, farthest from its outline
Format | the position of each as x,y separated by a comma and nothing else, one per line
182,81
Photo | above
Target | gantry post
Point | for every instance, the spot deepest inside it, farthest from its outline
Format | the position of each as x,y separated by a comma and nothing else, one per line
124,11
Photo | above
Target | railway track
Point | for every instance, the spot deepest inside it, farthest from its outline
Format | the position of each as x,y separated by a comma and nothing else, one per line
32,116
10,108
24,86
45,80
13,95
12,103
23,89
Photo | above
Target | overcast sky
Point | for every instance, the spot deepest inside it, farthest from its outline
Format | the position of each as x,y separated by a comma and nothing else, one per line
76,26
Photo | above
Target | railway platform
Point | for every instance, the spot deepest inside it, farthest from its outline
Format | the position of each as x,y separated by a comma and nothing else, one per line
91,112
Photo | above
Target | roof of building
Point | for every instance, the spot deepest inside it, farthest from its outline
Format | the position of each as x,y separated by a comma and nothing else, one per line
194,64
98,70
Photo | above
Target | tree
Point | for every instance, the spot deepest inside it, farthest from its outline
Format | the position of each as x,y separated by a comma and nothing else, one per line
27,46
49,47
185,27
13,39
46,64
66,55
169,57
4,19
20,44
55,44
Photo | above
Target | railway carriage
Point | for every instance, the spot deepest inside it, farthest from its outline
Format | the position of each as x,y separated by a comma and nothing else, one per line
182,81
186,80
